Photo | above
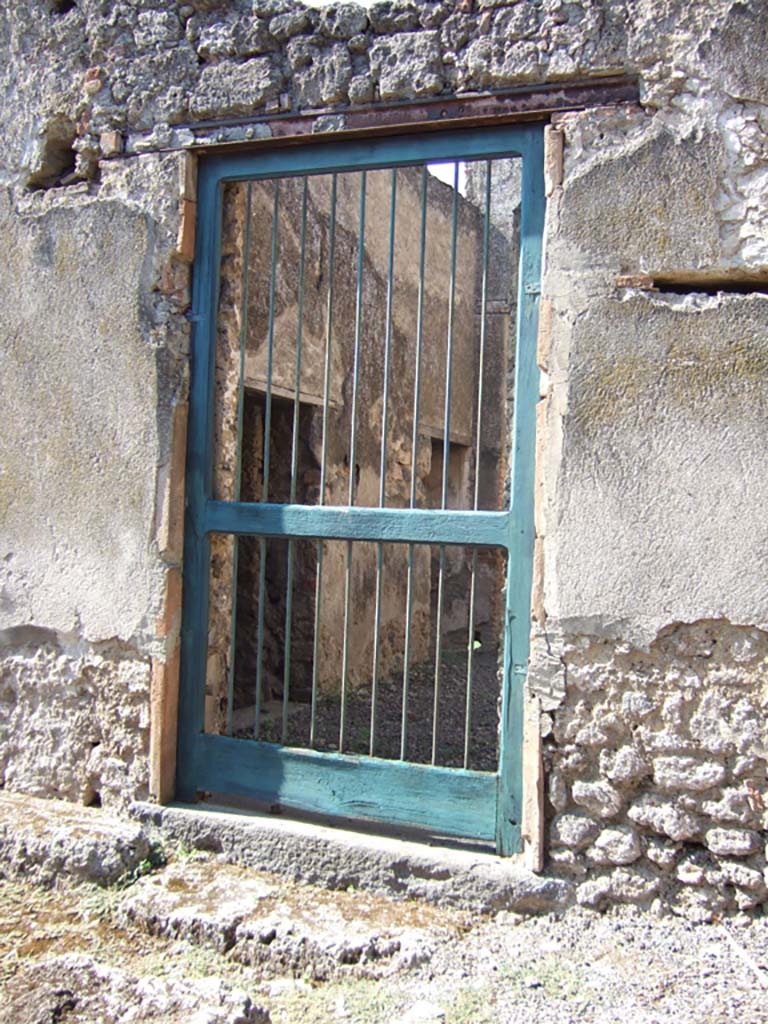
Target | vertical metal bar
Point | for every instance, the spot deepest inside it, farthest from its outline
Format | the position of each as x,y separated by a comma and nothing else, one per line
414,451
352,467
478,429
446,453
358,334
324,456
294,460
328,331
239,452
265,465
383,453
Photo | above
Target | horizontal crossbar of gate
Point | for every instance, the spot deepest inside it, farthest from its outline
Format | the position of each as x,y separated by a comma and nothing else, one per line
395,525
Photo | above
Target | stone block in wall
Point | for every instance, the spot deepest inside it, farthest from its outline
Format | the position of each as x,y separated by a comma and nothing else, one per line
407,65
343,20
387,17
574,831
321,74
671,774
360,89
618,845
289,23
157,29
742,875
491,62
733,806
599,798
728,723
239,37
566,862
664,817
230,88
557,790
732,842
621,886
699,906
624,766
662,852
153,89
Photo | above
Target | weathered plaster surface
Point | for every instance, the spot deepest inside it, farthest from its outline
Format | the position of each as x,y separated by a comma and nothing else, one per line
91,367
79,421
661,480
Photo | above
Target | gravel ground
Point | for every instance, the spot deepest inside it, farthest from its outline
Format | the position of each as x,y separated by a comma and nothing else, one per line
625,966
451,716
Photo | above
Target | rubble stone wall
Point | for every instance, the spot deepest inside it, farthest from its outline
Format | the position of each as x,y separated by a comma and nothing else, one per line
650,606
656,769
74,720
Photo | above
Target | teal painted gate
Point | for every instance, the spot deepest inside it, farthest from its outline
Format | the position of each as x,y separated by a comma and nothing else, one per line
340,320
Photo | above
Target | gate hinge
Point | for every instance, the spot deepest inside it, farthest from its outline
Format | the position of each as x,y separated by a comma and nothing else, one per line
532,289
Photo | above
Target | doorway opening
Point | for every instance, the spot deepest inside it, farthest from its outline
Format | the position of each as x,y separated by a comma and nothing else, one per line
366,522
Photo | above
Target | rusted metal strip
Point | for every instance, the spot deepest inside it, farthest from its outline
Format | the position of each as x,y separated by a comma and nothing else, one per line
521,103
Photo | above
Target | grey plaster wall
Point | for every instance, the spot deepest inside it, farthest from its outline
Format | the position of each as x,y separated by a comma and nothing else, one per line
91,366
80,395
651,491
661,478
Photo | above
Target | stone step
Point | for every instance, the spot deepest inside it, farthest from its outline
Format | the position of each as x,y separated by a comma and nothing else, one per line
339,859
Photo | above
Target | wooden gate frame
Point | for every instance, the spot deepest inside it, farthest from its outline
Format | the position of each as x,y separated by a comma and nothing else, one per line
343,785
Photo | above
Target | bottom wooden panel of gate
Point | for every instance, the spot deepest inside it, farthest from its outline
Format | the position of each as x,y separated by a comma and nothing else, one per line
448,801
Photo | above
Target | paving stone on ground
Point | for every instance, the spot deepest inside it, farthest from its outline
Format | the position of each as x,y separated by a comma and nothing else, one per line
78,988
620,967
284,927
45,840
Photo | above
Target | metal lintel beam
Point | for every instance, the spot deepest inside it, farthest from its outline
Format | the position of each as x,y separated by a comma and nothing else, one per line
523,103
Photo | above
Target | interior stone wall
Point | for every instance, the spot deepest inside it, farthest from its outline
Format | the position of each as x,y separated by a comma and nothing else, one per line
428,468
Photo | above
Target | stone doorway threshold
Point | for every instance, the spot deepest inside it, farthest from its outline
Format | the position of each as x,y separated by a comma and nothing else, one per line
341,859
